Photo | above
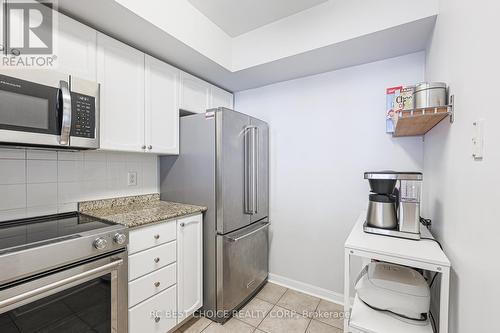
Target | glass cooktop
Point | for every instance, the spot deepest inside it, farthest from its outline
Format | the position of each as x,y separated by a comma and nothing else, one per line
26,233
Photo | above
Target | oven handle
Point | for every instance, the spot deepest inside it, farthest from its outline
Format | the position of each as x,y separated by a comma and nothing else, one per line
35,292
66,112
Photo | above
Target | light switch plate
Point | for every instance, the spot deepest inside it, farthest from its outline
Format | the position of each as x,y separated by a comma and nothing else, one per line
478,140
132,178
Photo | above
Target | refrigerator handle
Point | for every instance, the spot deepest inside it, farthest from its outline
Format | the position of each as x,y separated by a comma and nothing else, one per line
250,171
255,169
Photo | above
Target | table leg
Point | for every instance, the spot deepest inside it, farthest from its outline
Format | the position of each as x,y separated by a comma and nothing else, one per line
347,288
444,300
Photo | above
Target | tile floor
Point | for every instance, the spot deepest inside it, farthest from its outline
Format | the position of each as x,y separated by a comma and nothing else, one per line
276,309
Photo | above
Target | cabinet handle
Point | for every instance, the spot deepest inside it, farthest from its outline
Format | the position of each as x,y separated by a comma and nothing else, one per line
156,236
183,224
157,284
143,147
150,147
157,260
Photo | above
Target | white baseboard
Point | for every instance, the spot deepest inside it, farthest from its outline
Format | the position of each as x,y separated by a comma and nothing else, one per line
307,288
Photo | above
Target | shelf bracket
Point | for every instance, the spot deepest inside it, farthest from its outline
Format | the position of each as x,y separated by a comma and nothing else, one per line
452,108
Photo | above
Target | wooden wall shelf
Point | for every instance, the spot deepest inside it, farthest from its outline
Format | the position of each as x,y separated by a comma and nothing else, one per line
417,122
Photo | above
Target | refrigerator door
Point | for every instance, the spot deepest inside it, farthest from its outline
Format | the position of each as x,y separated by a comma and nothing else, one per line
260,184
242,264
231,137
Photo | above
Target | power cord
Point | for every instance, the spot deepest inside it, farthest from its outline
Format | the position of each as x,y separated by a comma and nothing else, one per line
434,328
432,281
434,240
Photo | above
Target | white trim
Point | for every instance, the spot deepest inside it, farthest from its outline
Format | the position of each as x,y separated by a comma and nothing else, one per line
309,289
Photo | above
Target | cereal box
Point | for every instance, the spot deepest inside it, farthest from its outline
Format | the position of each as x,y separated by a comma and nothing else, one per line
392,108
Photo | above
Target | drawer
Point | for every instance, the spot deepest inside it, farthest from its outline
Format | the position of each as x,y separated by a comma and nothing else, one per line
151,284
145,262
141,318
149,236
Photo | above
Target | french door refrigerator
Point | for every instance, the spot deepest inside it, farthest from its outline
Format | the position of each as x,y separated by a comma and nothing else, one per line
223,165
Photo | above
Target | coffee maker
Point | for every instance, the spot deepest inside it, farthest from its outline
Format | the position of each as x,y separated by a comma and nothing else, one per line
394,204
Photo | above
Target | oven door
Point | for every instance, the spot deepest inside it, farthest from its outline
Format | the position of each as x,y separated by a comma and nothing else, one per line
89,297
36,108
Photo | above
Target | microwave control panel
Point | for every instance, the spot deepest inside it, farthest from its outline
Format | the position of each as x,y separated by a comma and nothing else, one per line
83,117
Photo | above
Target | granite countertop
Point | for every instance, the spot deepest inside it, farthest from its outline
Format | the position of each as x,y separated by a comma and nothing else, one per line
136,211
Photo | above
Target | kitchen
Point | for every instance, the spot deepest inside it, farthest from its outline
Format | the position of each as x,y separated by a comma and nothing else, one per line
134,199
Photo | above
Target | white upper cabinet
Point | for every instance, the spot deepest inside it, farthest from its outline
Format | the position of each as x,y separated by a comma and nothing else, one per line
220,98
194,94
189,265
120,71
76,48
162,107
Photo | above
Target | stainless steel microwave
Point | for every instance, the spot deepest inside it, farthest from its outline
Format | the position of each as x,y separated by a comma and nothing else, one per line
44,108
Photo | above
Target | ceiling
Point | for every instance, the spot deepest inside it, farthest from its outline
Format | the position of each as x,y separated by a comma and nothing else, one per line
241,16
332,35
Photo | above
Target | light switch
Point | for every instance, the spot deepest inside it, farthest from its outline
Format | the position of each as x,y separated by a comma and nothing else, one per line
478,140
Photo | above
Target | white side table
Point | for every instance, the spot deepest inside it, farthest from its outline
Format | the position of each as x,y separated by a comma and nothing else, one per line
423,254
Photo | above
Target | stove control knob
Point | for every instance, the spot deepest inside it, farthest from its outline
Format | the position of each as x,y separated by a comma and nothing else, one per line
100,243
120,238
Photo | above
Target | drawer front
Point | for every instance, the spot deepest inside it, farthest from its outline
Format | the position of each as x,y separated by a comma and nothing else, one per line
151,284
145,262
141,318
149,236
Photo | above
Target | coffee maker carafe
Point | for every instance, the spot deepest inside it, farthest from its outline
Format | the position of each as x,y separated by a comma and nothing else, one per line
394,204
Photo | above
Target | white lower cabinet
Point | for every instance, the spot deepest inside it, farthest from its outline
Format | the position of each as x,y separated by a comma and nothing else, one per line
190,265
145,262
151,284
155,315
165,274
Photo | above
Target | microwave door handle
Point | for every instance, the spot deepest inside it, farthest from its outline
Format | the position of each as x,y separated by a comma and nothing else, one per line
66,112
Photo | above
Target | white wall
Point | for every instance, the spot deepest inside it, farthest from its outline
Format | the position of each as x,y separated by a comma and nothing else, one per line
325,131
38,182
462,195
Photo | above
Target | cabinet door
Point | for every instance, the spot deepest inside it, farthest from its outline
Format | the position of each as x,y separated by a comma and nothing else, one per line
162,107
194,94
221,98
76,48
120,71
189,265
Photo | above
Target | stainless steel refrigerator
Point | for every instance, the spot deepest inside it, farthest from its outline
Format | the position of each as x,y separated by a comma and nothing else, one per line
224,165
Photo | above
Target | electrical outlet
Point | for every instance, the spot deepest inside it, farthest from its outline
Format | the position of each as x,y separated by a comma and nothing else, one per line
478,140
132,178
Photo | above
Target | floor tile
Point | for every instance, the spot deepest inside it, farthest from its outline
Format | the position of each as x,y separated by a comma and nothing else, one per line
330,313
231,326
254,312
281,320
319,327
302,303
195,325
271,293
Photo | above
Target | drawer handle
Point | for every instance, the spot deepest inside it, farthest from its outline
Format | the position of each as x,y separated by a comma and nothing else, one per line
157,319
157,236
157,260
157,284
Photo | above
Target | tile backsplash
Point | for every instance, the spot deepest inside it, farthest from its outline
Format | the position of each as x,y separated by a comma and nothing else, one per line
38,182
